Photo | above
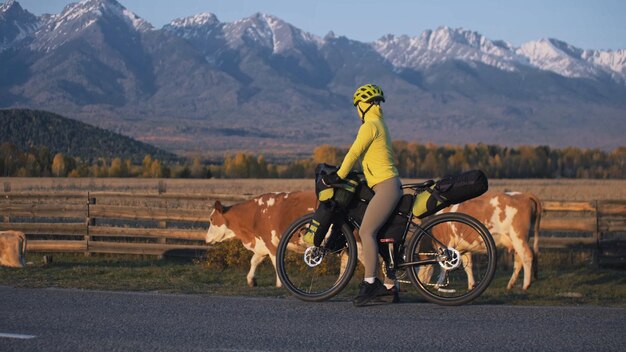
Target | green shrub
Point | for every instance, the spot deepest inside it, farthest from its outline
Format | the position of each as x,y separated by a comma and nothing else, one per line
228,254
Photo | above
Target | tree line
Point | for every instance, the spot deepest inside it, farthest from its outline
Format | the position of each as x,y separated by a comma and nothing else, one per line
39,162
414,160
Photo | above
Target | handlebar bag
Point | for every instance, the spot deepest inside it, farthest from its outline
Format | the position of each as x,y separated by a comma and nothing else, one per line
340,193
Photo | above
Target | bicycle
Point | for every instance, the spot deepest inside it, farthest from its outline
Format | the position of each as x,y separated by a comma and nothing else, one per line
450,258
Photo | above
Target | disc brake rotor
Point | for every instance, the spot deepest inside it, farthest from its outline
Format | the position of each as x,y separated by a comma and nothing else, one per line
451,260
313,256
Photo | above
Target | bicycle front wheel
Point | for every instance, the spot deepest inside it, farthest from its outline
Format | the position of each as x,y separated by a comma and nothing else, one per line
452,259
315,273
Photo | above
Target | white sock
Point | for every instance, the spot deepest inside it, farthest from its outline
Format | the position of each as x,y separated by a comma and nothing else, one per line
389,286
369,280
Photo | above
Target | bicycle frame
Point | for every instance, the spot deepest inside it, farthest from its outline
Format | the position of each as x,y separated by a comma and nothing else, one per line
425,249
417,188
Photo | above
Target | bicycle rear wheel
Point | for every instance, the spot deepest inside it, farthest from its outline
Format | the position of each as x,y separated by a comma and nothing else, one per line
315,273
455,256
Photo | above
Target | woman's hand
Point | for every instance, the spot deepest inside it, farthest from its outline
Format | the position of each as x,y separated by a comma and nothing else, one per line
331,179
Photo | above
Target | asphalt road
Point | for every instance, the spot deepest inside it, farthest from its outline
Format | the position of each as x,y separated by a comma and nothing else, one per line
77,320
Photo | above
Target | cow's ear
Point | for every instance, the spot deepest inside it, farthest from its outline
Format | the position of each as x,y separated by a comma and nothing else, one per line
218,206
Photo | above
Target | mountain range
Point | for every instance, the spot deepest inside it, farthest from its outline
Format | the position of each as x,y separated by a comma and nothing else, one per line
264,85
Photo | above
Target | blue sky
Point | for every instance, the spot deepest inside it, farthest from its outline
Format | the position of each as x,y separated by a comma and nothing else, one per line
587,24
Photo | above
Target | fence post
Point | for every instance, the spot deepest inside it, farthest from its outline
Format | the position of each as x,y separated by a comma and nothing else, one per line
162,224
89,222
596,253
162,240
7,189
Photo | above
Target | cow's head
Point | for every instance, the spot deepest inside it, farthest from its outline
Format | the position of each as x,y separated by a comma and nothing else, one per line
218,225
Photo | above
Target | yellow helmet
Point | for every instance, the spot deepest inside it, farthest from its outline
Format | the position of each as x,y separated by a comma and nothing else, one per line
368,93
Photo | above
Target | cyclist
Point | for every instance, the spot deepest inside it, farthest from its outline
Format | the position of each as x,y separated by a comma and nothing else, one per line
373,146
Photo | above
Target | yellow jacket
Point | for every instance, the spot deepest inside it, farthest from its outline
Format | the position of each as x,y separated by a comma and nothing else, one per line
373,145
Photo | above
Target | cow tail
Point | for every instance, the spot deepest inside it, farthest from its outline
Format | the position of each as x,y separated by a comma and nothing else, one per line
23,250
538,211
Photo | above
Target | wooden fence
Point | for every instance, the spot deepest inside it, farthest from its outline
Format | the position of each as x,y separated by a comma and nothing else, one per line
167,223
598,225
110,222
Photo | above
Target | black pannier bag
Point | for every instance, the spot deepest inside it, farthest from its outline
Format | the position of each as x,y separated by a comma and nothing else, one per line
450,190
331,201
320,223
362,197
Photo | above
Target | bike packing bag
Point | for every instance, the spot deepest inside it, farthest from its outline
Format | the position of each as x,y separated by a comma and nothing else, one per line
323,191
395,225
450,190
320,223
342,193
362,197
336,241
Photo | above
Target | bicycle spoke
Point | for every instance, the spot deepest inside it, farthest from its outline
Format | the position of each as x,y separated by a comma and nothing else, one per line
463,268
315,273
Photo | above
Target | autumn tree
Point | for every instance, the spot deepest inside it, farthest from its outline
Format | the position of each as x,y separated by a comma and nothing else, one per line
59,168
118,168
326,153
146,166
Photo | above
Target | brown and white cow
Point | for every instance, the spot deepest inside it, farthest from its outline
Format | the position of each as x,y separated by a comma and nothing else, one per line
509,217
12,249
258,223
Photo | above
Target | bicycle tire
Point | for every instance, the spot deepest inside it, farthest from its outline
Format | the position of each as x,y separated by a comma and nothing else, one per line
473,243
314,284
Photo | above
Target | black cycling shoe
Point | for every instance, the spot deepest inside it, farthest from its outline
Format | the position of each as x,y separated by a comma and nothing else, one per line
394,294
369,292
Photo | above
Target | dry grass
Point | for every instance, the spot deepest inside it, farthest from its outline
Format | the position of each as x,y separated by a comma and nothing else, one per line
545,189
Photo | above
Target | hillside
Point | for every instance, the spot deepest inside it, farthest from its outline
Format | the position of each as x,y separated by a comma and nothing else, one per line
264,85
32,128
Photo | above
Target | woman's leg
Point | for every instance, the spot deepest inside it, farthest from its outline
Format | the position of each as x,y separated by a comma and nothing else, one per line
386,197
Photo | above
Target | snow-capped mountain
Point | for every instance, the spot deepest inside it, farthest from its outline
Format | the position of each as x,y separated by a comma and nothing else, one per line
16,24
262,43
433,47
259,31
77,17
269,32
260,81
200,25
569,61
444,44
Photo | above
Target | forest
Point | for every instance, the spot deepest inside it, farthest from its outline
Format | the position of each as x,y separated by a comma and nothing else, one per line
413,160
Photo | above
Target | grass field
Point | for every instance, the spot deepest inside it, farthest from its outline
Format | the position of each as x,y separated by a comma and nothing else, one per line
557,284
564,278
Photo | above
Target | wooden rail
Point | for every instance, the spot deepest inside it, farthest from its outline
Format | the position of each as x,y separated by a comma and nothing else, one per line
81,221
141,223
602,222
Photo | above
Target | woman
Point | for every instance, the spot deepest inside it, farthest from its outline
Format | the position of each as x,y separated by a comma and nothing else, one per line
373,146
